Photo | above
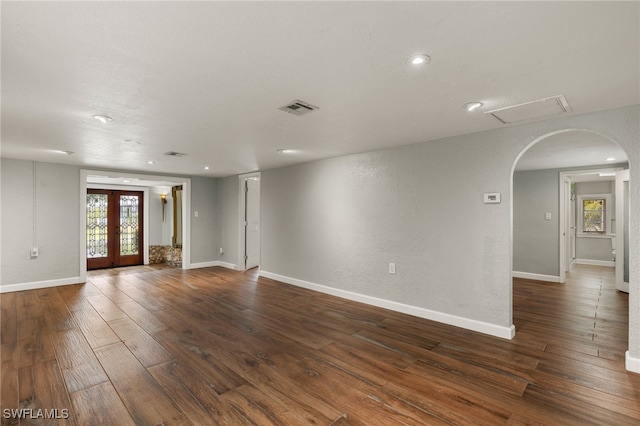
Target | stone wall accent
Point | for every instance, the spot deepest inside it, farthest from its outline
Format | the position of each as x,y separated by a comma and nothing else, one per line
165,254
174,256
157,254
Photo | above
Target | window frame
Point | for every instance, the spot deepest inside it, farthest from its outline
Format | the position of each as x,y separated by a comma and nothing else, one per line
608,199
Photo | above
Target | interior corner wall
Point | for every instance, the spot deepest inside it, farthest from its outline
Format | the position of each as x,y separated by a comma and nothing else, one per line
204,235
228,220
535,240
56,219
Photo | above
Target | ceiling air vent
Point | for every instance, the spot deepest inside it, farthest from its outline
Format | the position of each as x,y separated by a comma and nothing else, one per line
546,107
298,107
175,154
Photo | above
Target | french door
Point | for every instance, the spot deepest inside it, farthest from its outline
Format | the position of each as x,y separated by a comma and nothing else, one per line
114,228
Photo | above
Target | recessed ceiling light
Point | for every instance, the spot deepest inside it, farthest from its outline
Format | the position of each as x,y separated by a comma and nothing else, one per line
104,119
206,167
472,106
61,151
419,59
285,151
151,162
610,159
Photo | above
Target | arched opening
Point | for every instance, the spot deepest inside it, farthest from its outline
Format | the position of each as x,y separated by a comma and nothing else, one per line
553,179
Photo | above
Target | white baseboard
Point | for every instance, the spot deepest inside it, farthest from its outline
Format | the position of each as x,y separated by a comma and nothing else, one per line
467,323
6,288
609,263
632,363
537,277
215,263
204,264
229,266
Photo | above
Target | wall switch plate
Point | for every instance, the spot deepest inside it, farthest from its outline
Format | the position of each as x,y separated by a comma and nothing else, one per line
195,214
221,251
547,216
392,268
34,252
492,198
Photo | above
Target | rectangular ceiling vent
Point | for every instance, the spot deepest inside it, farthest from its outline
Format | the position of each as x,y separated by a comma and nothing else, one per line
175,154
546,107
298,107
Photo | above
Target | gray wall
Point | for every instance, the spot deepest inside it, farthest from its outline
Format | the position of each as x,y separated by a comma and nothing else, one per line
228,219
339,222
204,236
57,208
155,218
535,240
57,221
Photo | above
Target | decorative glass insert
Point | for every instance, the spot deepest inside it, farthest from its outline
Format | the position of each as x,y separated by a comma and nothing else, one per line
97,237
129,225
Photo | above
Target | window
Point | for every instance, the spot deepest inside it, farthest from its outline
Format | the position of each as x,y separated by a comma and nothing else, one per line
593,215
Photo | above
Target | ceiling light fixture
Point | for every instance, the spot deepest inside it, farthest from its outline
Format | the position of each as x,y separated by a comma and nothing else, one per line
285,151
419,59
610,159
606,174
206,167
104,119
61,151
151,162
471,106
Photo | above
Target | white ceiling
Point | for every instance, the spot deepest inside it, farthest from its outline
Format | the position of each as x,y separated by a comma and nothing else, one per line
207,78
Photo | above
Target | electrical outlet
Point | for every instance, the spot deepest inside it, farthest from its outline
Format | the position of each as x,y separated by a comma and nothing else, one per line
195,214
221,250
34,252
392,268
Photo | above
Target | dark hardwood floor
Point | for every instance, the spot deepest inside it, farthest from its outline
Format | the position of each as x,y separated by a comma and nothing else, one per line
156,345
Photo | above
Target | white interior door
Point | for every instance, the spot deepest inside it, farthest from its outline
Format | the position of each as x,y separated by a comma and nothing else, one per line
623,213
252,222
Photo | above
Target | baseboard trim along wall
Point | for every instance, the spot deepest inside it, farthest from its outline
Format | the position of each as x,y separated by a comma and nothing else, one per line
204,264
536,277
215,263
632,363
609,263
466,323
7,288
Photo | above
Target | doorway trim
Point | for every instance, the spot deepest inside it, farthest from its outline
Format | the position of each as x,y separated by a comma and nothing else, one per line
631,363
242,264
186,208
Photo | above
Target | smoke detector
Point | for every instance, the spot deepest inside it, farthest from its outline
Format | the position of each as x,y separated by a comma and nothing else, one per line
298,107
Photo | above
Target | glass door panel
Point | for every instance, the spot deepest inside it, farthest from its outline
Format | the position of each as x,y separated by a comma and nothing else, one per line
114,228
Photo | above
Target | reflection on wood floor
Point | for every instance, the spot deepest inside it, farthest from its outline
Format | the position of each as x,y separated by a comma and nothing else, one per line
153,345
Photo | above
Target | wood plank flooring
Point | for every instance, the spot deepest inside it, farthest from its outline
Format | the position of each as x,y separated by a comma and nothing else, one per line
162,346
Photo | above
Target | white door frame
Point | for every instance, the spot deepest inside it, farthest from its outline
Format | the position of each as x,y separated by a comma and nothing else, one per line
241,214
621,177
186,209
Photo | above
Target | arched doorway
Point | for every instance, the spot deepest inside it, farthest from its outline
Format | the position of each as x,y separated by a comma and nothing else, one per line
548,160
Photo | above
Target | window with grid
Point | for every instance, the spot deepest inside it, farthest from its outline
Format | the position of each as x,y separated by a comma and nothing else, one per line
593,215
